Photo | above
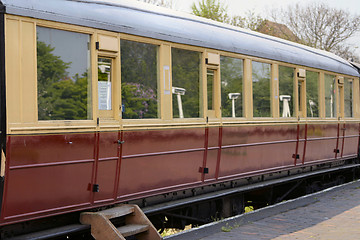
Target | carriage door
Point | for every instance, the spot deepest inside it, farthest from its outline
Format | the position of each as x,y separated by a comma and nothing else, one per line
341,124
212,131
108,136
300,147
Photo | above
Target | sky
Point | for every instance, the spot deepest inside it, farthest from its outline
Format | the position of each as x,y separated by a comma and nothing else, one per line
237,7
263,8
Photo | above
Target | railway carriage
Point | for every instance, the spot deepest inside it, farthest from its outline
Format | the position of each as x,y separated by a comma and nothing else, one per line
104,102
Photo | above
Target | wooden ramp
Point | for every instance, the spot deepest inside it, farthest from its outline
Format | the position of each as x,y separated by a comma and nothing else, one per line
136,223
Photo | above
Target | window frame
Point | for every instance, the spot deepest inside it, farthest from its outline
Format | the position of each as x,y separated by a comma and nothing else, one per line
350,80
336,94
242,117
306,100
73,29
294,93
160,94
271,88
202,84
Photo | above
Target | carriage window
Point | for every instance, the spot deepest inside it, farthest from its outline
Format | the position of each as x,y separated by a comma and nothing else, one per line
210,89
330,96
185,83
104,83
64,84
139,80
348,97
261,73
312,94
231,86
286,90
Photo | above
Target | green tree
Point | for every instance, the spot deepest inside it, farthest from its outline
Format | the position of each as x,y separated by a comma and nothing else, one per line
215,10
261,75
50,68
231,82
59,96
139,80
186,74
312,86
211,9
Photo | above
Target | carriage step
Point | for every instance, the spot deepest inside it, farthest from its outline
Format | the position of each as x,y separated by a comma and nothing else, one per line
136,223
117,211
132,229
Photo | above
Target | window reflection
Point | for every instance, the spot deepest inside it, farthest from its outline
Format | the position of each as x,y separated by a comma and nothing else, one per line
312,95
231,70
139,80
64,87
286,90
261,73
330,96
185,83
348,97
210,89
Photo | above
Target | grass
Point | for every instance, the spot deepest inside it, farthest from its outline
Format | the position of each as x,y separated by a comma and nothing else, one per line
171,231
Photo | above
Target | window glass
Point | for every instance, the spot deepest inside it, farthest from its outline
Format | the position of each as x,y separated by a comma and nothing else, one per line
104,83
286,90
261,75
312,94
231,70
64,84
348,97
301,85
185,83
210,89
139,80
330,96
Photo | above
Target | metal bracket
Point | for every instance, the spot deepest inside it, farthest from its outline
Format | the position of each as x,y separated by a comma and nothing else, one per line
96,188
203,170
336,150
297,156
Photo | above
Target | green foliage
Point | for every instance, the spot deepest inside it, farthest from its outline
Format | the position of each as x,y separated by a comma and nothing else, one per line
249,209
139,101
226,228
102,76
215,10
65,100
312,88
261,89
59,96
348,97
286,86
186,74
50,68
139,73
231,82
211,9
330,96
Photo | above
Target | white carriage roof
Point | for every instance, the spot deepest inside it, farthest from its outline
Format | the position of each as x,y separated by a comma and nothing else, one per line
146,20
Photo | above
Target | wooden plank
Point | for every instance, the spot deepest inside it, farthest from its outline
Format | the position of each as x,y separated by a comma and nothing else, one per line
115,212
132,229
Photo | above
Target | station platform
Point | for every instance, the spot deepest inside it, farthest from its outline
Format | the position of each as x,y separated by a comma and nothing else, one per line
331,214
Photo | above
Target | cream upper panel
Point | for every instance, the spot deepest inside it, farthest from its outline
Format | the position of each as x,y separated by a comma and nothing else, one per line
23,87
